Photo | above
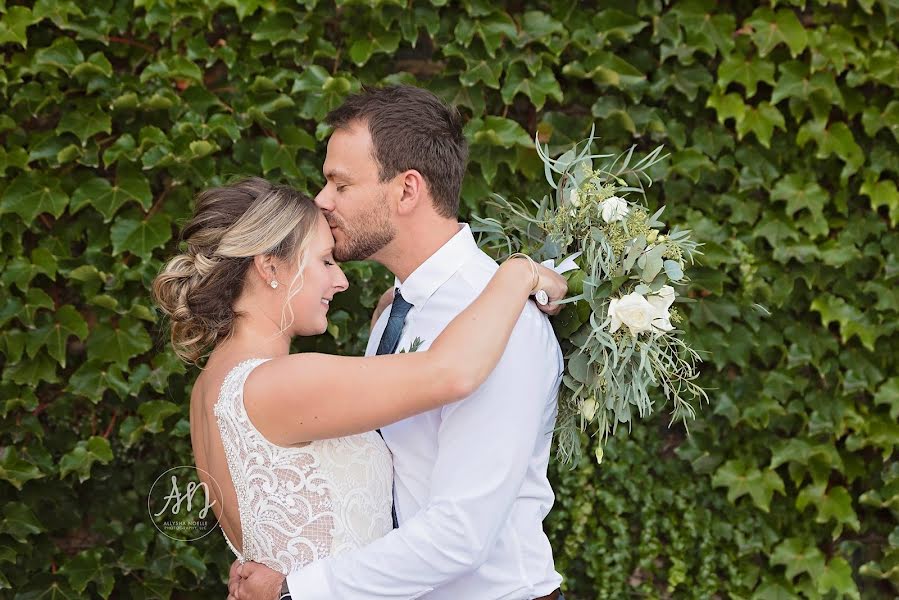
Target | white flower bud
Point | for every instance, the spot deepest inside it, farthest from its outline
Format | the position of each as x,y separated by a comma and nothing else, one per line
614,209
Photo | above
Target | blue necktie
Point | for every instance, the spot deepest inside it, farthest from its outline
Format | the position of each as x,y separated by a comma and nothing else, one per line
390,339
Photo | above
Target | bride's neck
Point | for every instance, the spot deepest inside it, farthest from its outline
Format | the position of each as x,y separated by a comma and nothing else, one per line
259,336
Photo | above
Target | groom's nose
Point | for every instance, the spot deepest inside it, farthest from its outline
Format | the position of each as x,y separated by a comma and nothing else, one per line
323,200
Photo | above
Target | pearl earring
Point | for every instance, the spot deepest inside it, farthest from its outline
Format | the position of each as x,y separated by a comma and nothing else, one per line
274,284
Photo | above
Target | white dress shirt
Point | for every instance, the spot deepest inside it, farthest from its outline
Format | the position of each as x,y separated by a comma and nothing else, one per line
471,490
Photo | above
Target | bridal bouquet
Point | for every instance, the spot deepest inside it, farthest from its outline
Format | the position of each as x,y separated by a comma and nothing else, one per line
618,332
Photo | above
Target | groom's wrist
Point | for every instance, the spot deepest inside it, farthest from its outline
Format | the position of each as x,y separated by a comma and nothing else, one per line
285,591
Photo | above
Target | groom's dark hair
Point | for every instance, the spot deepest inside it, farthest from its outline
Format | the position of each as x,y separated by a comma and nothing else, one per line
411,128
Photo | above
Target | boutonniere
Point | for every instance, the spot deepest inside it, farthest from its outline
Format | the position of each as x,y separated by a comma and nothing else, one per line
416,344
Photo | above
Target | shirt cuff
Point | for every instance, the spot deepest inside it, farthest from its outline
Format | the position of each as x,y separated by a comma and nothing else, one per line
310,583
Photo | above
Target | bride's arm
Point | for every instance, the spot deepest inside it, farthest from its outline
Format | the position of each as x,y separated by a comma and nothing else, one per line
304,397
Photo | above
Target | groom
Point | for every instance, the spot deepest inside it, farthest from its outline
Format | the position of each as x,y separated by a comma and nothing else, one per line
470,488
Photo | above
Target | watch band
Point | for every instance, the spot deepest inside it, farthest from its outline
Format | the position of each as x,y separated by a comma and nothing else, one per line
285,591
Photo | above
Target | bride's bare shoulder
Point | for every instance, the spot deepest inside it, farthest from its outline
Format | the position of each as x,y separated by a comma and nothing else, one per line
208,384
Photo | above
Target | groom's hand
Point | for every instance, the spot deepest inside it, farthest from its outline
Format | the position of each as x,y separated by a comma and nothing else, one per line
254,581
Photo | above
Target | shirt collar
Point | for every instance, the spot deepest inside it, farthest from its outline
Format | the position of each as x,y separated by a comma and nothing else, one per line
438,268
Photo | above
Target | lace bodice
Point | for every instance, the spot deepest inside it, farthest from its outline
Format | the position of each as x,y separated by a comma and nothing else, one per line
298,505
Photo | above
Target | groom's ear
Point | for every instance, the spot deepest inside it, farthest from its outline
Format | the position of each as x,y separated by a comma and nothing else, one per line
414,191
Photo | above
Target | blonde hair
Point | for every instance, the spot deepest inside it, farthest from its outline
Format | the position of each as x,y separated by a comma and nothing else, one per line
197,289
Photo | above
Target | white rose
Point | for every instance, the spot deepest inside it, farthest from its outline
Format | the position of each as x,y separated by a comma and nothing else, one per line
614,209
632,310
588,409
660,303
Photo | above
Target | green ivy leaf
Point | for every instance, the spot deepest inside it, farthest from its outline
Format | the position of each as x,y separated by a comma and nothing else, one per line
279,156
800,194
154,413
711,33
769,30
798,557
85,121
875,118
831,504
606,69
124,147
837,576
31,194
742,478
15,470
119,344
888,394
832,139
746,72
20,271
201,148
801,452
883,193
850,319
62,54
320,92
57,11
10,310
875,432
96,64
484,72
88,566
727,106
140,236
773,591
497,131
611,24
760,120
14,24
492,30
174,67
539,26
82,457
278,28
20,522
692,163
108,198
536,89
95,377
31,371
384,42
55,333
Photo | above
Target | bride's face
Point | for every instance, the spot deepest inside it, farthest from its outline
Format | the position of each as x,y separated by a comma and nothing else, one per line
322,279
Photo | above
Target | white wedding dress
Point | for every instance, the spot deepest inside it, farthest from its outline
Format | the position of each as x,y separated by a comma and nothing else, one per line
298,505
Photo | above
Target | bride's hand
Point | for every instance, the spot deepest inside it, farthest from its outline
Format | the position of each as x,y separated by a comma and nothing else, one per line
555,286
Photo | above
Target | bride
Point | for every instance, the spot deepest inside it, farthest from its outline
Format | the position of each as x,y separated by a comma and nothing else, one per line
291,438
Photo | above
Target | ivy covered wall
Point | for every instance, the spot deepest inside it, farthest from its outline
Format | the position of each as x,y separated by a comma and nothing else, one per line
782,119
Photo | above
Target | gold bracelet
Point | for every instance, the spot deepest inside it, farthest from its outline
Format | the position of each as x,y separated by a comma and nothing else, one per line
533,268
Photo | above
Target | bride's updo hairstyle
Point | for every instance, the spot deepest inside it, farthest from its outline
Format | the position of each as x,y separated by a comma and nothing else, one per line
197,289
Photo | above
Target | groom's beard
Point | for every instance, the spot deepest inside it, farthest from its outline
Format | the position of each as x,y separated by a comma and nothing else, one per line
369,233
